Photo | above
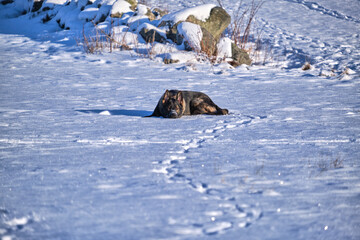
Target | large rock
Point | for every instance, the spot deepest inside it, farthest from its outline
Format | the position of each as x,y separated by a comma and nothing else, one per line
196,38
218,21
239,56
152,34
122,6
213,21
142,15
208,43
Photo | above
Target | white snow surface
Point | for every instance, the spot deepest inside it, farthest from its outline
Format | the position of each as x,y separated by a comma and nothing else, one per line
224,47
192,33
78,160
201,12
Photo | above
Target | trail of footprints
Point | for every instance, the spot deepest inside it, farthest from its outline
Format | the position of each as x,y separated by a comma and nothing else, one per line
294,47
323,10
228,213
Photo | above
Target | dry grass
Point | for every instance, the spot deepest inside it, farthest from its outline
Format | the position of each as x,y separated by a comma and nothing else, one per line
92,43
101,40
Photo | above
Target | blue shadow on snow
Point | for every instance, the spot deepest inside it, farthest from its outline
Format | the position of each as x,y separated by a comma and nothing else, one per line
124,112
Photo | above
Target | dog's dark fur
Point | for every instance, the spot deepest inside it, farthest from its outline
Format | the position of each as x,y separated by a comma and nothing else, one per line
175,103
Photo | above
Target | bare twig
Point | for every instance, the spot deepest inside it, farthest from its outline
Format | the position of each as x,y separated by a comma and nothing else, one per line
240,28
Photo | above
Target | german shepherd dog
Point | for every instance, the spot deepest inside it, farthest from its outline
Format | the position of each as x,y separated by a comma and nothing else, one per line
175,103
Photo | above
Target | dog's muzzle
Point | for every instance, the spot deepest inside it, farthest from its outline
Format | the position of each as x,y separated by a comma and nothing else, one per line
173,114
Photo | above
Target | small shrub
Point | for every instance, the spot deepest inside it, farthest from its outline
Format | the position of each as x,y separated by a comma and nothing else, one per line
322,166
241,27
92,44
337,163
242,33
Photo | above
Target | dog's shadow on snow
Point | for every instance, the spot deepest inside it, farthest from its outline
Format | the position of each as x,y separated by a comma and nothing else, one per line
123,112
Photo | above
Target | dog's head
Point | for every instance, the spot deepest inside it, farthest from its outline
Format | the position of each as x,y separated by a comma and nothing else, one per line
173,104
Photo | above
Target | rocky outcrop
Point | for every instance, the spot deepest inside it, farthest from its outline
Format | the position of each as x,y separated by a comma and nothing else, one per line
198,29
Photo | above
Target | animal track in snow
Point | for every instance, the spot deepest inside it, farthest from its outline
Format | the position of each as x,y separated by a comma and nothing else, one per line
228,214
174,160
292,49
317,7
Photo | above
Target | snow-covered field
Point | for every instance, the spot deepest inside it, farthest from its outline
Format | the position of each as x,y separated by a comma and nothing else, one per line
79,161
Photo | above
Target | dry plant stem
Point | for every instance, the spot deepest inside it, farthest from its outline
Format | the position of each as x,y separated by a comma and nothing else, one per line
253,11
150,52
240,28
111,35
236,25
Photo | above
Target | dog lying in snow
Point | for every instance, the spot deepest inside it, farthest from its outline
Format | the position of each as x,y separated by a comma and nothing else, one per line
175,103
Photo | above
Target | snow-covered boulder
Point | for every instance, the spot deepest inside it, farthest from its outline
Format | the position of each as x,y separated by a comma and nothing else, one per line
50,4
150,33
104,11
88,14
201,12
195,38
217,22
145,11
24,6
141,16
120,7
192,35
67,17
212,20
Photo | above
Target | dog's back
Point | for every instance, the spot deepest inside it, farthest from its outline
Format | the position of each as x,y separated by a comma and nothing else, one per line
175,103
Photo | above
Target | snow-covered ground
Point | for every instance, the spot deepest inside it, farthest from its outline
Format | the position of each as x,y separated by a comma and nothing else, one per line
79,161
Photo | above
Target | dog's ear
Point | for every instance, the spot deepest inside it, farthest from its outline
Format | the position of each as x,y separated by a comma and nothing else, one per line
179,97
166,96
